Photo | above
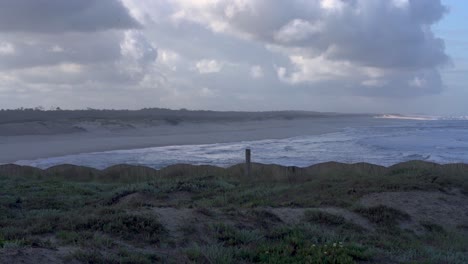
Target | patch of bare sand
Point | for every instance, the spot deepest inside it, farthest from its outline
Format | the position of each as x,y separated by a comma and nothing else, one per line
166,208
136,198
447,209
175,218
174,199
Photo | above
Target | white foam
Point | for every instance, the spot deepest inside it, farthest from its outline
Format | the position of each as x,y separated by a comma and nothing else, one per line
454,118
408,117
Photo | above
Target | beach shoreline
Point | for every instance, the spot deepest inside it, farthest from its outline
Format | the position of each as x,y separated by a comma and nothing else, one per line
36,146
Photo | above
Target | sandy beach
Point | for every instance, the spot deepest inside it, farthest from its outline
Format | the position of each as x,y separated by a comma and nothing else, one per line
22,140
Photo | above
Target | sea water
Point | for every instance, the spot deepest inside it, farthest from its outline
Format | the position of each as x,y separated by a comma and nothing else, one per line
430,139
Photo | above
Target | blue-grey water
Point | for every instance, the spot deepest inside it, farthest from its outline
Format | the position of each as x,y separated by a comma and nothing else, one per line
441,141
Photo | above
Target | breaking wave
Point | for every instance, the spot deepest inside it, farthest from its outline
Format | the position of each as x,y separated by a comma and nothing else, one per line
422,117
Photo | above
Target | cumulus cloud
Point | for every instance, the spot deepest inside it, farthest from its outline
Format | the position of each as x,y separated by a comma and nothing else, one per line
336,36
360,31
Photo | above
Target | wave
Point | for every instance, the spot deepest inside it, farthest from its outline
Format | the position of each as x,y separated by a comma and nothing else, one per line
422,117
454,118
409,117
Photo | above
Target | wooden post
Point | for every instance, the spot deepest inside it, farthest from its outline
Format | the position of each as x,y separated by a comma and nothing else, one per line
248,166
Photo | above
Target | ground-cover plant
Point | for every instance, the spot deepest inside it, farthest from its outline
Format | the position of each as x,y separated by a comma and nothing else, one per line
121,257
217,219
129,226
383,216
323,218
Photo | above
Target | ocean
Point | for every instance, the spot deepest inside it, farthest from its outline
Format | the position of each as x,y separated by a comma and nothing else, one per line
384,143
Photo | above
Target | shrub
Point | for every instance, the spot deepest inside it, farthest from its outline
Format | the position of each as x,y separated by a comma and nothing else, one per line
122,257
119,223
232,236
211,254
323,218
335,253
431,227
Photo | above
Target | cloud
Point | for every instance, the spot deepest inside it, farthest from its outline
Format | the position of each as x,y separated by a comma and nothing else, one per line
208,66
84,48
256,72
58,16
336,36
297,30
6,48
248,54
169,58
47,35
52,32
360,31
332,5
138,55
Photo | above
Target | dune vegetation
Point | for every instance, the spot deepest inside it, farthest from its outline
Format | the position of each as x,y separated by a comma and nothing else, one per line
413,212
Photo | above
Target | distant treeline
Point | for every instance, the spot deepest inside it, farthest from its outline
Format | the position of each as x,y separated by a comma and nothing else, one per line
38,114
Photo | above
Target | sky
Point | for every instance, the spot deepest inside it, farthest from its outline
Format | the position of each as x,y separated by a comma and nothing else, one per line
379,56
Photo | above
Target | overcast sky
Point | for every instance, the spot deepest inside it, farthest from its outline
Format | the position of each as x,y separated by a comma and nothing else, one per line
406,56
